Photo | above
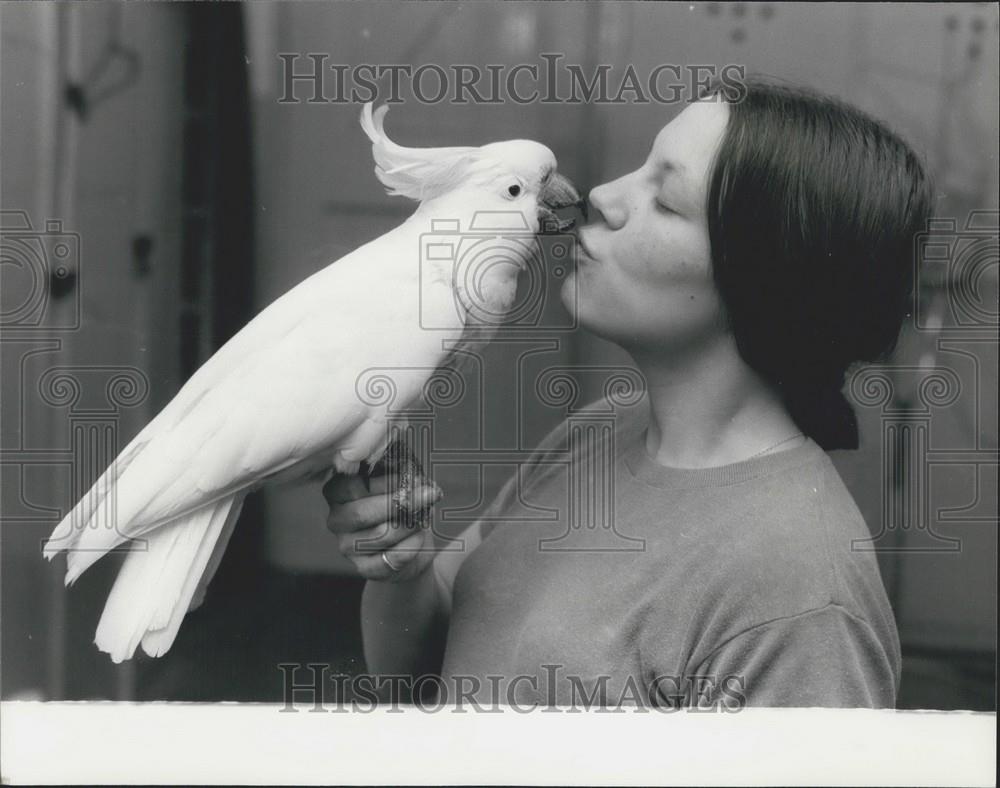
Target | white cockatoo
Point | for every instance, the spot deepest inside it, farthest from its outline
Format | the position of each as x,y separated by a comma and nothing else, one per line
280,401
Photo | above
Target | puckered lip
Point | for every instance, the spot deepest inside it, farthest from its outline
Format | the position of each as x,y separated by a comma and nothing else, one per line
581,241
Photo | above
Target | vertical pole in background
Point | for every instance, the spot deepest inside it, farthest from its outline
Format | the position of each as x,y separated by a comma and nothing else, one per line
228,303
65,43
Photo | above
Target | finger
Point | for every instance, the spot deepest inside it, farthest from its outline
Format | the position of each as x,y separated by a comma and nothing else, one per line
374,540
343,488
378,485
372,510
401,556
359,514
404,551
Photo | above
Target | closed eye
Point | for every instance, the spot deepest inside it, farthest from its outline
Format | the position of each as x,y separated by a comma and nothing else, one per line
664,207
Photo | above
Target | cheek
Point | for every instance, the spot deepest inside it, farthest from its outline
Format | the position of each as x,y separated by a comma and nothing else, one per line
666,280
676,260
653,290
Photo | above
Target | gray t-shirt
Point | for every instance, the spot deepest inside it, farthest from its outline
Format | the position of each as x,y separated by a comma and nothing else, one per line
606,578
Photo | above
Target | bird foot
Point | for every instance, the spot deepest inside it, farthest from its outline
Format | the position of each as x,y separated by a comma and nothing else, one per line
406,476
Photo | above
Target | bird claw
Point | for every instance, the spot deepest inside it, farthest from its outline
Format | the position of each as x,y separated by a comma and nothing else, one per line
406,475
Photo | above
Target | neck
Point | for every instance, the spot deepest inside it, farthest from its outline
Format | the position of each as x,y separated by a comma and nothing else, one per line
710,408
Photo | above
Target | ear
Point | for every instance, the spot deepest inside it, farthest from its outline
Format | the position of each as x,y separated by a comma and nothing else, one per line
417,173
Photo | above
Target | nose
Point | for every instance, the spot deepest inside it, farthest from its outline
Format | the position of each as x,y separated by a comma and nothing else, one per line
607,199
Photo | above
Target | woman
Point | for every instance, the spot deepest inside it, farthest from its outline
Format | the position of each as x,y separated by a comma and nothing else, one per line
761,249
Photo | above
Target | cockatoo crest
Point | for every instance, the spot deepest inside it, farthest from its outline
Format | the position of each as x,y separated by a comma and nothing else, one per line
425,173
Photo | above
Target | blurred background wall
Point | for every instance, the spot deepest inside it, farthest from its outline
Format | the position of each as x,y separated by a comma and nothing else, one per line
189,196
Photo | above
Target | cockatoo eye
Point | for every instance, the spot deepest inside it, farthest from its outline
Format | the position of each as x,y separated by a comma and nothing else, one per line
514,189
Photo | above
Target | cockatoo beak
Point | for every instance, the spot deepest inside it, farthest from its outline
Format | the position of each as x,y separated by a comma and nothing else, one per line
558,192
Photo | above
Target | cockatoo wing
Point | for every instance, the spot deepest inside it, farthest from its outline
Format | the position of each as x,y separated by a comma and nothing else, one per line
282,392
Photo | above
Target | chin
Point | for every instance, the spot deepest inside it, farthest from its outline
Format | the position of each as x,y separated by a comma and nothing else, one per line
570,295
575,302
598,321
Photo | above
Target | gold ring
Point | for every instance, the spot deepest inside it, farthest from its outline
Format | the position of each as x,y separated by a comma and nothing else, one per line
388,563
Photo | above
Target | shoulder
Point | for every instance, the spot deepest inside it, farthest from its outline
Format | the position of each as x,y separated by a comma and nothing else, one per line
787,543
778,543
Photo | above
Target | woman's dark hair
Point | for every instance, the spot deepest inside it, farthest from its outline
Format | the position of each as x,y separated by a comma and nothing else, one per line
813,208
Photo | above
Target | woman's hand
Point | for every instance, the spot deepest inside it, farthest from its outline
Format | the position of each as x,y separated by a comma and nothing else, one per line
379,545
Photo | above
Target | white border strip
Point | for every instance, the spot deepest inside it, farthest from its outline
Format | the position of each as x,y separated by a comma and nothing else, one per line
113,743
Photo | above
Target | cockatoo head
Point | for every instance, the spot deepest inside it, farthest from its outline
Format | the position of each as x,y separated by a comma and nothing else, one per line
510,176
